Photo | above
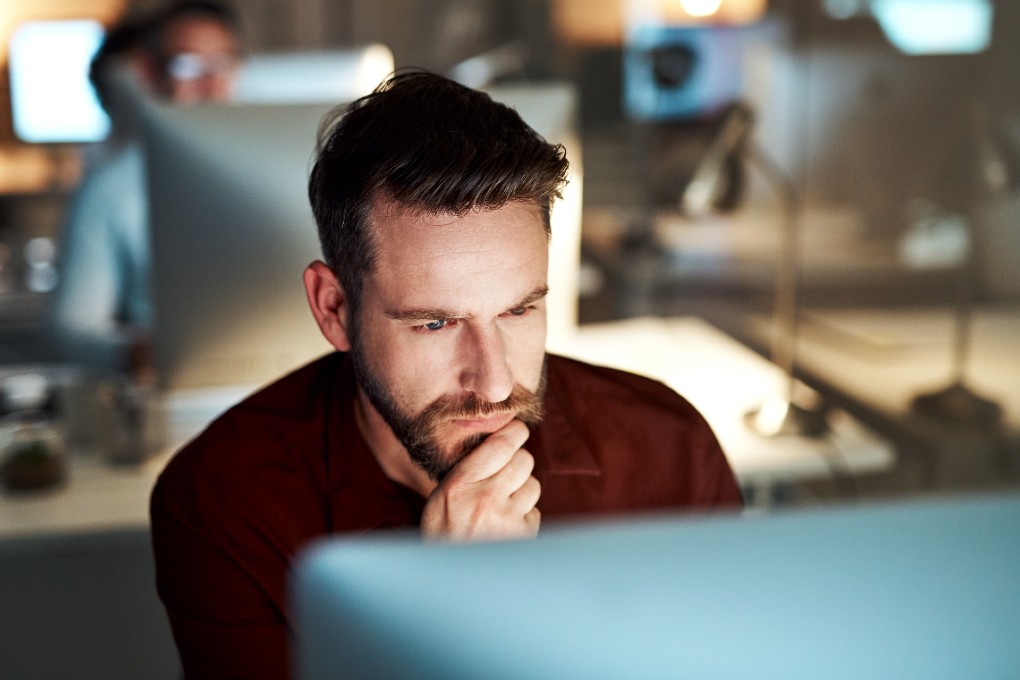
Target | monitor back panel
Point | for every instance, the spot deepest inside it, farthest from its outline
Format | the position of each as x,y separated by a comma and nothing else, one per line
905,590
232,231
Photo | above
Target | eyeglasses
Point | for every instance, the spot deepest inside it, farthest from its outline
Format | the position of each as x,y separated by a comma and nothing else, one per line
188,66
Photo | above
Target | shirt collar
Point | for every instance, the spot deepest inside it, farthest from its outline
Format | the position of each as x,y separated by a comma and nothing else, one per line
555,443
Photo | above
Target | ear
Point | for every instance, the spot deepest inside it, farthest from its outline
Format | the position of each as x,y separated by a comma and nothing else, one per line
329,304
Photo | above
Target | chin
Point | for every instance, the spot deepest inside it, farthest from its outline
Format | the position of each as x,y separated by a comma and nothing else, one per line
451,454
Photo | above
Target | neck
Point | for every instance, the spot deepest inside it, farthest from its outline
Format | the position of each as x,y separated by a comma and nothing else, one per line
391,455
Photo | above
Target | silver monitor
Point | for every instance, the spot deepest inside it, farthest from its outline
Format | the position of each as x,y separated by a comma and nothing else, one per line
321,76
232,231
908,590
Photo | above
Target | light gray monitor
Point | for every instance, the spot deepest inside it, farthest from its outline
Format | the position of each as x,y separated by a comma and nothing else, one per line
313,76
232,231
914,589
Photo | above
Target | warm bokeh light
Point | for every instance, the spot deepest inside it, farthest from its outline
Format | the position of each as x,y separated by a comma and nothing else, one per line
25,169
602,22
694,12
700,8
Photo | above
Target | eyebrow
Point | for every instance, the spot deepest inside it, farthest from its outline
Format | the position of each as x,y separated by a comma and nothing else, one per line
424,314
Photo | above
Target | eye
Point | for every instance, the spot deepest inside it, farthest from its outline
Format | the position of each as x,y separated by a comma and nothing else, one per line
435,326
520,311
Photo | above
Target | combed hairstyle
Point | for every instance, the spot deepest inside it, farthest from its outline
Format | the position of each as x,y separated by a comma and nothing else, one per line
427,144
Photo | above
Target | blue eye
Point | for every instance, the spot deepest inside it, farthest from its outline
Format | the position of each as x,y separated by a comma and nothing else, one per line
436,325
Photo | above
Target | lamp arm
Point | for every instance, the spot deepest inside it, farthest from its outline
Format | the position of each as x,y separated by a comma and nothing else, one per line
784,337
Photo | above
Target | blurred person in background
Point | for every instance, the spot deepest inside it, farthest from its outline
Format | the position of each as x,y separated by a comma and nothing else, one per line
116,75
188,52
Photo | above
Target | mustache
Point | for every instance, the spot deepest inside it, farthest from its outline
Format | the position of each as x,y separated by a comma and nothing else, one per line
525,404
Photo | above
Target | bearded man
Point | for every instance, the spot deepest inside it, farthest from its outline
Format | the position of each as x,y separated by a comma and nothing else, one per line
440,411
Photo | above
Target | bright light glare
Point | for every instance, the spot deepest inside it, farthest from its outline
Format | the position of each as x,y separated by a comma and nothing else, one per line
768,420
701,8
935,26
51,97
376,65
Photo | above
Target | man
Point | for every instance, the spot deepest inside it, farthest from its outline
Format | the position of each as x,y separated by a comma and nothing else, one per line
100,313
441,410
195,54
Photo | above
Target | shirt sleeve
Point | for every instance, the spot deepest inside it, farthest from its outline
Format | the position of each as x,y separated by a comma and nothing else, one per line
224,624
103,252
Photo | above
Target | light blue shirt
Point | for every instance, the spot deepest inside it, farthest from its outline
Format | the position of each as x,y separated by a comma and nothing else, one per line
103,298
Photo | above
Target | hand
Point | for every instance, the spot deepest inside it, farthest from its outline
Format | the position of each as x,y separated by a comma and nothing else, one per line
489,495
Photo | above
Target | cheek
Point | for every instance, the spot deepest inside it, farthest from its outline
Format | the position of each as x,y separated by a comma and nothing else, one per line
526,353
183,92
415,370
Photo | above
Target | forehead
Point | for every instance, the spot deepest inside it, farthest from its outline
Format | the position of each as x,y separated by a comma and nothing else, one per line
393,226
198,34
445,253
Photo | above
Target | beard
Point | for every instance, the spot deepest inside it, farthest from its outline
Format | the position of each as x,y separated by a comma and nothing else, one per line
419,433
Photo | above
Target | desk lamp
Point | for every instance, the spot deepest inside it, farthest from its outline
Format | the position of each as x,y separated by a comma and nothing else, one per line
958,403
714,186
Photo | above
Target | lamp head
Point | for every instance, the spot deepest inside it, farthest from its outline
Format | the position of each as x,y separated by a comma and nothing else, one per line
715,184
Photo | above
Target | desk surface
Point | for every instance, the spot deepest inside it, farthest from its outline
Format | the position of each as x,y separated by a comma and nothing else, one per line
95,496
889,356
718,375
875,361
880,359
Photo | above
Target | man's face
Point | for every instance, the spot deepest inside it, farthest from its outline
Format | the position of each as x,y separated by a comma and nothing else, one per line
202,61
449,343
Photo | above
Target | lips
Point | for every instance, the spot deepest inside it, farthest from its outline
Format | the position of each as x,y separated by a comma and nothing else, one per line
483,423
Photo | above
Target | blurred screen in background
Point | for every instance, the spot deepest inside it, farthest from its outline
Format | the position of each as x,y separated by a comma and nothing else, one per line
52,100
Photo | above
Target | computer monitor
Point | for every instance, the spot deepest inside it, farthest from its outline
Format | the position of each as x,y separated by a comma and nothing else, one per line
313,76
232,231
914,589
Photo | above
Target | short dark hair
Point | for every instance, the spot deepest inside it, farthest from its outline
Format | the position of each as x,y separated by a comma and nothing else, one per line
120,41
426,143
220,12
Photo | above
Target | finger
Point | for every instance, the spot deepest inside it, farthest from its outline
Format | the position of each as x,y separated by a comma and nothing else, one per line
532,520
526,497
493,454
515,473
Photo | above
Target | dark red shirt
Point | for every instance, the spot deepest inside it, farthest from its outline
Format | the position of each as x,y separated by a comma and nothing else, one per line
288,465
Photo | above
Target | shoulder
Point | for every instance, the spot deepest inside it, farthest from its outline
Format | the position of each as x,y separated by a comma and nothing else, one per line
114,187
122,169
652,448
269,437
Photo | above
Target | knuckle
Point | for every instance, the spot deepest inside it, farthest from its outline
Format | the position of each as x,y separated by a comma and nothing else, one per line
523,460
486,497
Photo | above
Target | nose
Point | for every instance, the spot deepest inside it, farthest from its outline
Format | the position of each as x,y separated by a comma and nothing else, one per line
216,88
485,371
